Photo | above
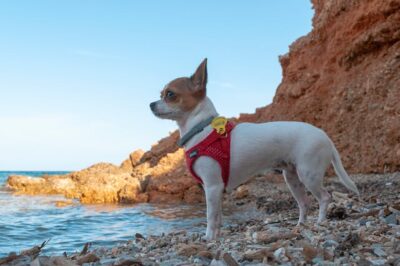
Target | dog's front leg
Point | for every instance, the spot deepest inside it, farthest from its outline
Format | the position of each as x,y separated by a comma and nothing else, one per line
214,210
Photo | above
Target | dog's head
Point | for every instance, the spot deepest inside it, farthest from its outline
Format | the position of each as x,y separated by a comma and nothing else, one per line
181,95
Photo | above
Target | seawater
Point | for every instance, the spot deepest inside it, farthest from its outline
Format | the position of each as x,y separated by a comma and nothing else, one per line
26,221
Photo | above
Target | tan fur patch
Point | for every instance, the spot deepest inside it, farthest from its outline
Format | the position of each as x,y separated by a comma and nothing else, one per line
185,97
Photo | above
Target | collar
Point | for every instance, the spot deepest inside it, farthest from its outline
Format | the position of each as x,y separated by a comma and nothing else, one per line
195,130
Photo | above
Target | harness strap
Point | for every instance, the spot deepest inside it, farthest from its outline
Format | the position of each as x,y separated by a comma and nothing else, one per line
195,130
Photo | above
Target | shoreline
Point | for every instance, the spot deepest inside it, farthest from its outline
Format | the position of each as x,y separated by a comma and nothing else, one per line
362,230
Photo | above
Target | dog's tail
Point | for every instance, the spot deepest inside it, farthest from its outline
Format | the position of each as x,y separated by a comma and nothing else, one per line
341,173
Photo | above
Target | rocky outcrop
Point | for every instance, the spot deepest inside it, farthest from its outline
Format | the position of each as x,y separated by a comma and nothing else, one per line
100,183
344,77
132,161
133,182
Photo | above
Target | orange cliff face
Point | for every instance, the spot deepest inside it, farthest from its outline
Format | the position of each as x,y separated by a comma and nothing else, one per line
343,77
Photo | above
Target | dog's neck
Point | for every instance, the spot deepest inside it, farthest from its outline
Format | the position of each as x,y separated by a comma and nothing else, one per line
201,112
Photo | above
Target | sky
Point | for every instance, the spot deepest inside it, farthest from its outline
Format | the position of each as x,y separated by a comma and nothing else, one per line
77,76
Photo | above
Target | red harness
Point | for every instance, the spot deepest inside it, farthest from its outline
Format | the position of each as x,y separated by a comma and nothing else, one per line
215,146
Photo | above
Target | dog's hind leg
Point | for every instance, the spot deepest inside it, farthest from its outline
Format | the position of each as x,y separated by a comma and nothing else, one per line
313,182
298,191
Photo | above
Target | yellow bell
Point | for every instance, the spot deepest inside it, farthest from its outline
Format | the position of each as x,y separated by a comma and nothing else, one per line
219,124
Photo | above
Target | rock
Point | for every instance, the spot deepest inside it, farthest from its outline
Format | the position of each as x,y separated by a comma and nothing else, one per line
268,237
133,160
394,261
129,262
206,254
308,234
330,243
51,261
99,183
309,253
193,194
280,255
348,243
318,261
241,192
396,246
364,262
165,182
132,193
88,258
229,260
258,254
377,262
378,251
392,218
216,262
188,250
139,236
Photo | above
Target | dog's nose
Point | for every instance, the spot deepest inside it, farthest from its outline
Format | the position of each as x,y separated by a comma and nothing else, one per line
153,106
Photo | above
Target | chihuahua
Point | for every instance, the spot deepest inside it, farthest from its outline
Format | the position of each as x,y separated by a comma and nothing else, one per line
299,150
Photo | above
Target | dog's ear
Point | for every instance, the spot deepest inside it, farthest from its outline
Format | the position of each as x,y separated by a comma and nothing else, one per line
199,78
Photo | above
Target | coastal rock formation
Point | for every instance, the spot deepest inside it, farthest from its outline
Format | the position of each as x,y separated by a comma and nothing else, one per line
163,182
100,183
344,77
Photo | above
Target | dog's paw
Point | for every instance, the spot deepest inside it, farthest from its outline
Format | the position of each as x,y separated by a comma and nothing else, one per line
212,236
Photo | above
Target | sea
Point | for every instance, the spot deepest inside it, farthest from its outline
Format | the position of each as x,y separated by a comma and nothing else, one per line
26,221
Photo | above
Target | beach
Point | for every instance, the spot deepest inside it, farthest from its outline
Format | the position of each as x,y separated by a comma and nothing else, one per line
362,231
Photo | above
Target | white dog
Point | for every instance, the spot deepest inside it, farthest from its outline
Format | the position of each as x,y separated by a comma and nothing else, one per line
301,151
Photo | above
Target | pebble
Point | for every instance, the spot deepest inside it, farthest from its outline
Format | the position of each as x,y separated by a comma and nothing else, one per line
330,243
215,262
362,221
378,251
378,262
279,255
391,219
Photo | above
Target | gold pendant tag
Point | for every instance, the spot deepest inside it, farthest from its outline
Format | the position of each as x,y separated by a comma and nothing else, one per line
219,124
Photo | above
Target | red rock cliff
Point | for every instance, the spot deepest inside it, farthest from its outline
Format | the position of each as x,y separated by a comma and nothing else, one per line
344,77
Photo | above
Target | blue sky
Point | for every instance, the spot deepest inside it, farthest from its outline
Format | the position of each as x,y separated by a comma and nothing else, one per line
76,77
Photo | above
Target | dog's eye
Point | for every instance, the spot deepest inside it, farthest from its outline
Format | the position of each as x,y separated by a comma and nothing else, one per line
169,94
